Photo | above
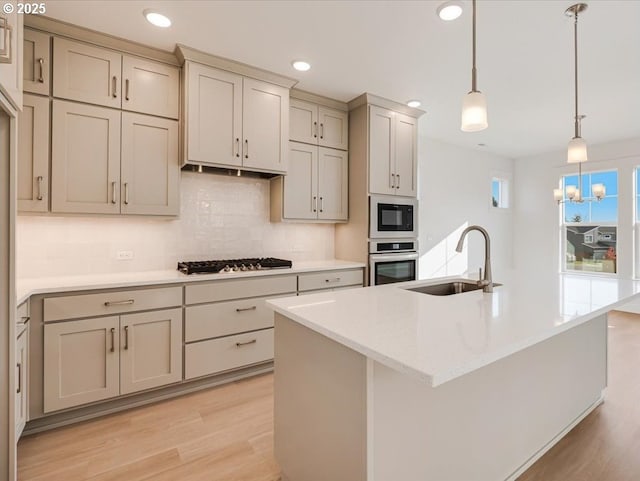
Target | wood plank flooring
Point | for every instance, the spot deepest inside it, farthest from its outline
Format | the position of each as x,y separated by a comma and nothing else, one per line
226,434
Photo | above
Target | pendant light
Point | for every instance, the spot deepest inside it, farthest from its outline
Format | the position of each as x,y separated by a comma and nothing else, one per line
577,149
474,104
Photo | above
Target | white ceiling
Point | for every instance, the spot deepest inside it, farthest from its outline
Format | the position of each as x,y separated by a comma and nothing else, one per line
401,50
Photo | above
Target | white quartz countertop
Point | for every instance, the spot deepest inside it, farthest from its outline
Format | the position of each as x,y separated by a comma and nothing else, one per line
440,338
46,285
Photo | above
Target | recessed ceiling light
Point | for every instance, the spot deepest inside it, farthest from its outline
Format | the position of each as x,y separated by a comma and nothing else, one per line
301,65
413,103
157,19
449,10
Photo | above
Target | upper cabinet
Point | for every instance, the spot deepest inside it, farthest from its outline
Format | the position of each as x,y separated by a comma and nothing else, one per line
36,63
318,125
11,56
100,76
235,121
33,154
392,152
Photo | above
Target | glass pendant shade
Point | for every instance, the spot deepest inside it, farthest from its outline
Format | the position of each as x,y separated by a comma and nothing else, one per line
598,191
577,150
474,112
558,195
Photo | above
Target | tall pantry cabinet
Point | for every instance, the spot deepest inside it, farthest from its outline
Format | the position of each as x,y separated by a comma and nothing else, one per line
114,130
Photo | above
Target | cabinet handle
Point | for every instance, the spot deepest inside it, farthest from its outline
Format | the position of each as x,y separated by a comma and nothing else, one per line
126,89
19,366
398,181
315,130
41,78
237,147
335,279
315,204
321,130
393,181
39,179
6,55
114,87
242,309
321,204
126,337
113,192
240,344
126,193
119,303
113,339
246,149
23,320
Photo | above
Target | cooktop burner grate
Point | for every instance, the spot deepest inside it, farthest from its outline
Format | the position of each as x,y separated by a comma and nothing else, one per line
233,265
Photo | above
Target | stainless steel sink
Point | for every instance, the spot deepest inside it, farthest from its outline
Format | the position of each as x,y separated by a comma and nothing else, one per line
449,288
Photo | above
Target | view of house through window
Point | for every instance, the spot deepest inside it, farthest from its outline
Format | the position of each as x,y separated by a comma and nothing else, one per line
499,193
590,227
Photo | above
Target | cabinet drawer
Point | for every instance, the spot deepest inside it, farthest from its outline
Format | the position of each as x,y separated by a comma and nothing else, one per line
333,289
86,305
329,279
225,318
239,288
217,355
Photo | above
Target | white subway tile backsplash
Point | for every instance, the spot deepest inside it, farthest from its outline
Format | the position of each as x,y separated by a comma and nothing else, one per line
220,217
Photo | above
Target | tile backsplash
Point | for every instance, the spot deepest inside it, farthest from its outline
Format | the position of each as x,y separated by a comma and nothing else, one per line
221,217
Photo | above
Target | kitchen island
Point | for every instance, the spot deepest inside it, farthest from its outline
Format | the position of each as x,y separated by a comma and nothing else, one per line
387,384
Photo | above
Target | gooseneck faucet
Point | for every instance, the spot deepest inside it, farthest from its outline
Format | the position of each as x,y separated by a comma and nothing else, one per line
486,282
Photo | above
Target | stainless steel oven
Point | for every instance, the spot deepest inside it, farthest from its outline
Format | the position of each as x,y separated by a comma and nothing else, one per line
392,217
394,260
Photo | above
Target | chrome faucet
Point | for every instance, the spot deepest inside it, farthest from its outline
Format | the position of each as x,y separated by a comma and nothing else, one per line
485,282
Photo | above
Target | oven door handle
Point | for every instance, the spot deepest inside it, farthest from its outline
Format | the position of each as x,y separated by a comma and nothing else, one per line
394,257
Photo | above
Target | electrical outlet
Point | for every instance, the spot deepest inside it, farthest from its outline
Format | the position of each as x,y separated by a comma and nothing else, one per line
124,255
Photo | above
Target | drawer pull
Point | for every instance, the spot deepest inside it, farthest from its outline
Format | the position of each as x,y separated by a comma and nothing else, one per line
335,279
119,303
126,337
240,344
19,366
243,309
113,339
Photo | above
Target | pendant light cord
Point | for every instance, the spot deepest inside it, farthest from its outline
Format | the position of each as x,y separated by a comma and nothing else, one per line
474,84
575,64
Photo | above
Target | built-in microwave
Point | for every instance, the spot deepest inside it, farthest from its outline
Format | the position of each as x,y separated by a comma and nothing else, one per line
392,217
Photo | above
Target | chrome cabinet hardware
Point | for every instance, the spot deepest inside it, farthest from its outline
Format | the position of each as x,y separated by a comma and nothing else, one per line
41,78
315,130
5,51
240,344
315,204
335,279
126,193
113,192
246,149
113,340
19,366
321,204
237,147
127,302
23,321
393,181
39,179
114,83
126,89
126,337
242,309
321,130
398,181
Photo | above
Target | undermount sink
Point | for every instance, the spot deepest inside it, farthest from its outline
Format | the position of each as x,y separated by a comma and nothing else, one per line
449,288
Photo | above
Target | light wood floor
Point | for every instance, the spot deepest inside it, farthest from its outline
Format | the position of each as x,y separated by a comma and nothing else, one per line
226,433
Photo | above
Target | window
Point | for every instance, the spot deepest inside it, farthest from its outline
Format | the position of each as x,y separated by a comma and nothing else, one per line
500,193
589,230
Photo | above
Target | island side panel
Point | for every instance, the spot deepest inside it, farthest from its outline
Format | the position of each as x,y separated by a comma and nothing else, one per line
490,424
320,406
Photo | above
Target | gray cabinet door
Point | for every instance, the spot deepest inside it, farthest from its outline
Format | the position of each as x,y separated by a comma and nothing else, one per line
333,128
300,191
85,159
333,198
406,155
33,154
86,73
22,370
303,121
150,87
36,62
381,151
150,169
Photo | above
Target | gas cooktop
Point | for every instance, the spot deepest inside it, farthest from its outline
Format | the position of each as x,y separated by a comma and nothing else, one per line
233,265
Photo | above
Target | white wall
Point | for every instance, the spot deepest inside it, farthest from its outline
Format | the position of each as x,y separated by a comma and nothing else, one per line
537,217
221,217
454,192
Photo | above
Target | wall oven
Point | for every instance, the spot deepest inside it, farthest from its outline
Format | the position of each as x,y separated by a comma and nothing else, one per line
392,217
393,260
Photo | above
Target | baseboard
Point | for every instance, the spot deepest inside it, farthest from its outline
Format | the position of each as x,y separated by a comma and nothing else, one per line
555,440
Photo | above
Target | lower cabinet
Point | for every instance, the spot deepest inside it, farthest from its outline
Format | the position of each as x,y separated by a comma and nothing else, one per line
89,360
22,370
